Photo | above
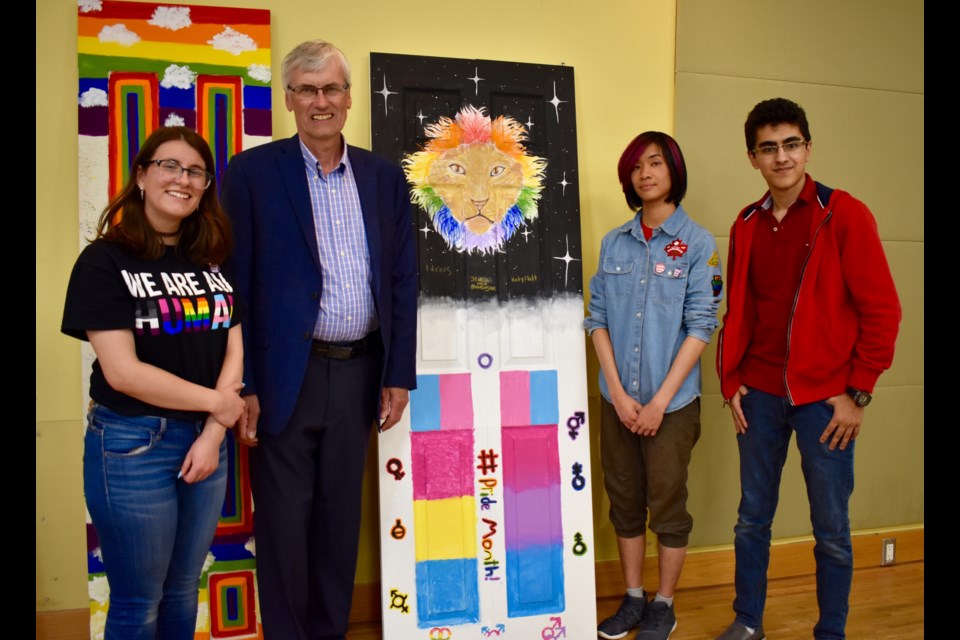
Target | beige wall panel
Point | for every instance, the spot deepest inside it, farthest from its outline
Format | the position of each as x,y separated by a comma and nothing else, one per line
714,475
890,460
57,373
851,131
708,361
61,542
605,539
906,263
709,127
368,561
876,44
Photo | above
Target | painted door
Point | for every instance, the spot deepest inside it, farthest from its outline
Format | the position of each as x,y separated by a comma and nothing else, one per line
486,519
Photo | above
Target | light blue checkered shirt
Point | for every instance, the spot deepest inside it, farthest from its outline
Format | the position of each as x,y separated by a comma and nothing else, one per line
347,311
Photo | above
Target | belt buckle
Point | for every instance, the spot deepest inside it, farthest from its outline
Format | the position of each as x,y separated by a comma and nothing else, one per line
338,352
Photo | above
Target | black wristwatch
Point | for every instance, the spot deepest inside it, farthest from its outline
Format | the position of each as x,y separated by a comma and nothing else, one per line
860,398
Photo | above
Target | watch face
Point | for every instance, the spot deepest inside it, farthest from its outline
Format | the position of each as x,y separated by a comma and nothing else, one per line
860,398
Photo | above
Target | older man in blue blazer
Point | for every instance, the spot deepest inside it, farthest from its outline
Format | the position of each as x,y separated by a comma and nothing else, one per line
325,264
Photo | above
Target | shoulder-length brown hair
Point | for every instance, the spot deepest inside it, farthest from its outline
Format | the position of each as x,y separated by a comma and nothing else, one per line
205,235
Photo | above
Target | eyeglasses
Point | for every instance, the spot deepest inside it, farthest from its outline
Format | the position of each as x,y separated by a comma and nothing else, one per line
172,170
308,92
790,147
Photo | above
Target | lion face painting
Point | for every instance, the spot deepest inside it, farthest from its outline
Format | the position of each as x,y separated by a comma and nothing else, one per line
475,179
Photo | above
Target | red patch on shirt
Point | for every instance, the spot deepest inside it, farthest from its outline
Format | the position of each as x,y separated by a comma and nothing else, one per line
676,249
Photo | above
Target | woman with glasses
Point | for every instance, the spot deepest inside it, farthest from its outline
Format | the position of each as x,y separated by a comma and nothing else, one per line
162,317
653,308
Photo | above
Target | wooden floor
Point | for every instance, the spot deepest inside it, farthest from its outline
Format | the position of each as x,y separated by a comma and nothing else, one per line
886,604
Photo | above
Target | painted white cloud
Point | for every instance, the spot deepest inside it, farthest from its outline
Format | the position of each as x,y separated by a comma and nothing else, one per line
98,623
232,41
251,546
94,97
259,72
174,120
178,77
208,562
99,589
118,33
87,6
172,18
203,615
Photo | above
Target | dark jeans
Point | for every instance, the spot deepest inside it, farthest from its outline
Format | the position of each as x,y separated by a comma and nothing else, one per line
828,474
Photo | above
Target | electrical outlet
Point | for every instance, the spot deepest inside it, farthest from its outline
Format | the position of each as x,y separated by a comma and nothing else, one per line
888,552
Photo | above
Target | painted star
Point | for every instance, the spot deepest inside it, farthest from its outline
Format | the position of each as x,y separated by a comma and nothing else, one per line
526,233
421,117
386,93
563,183
476,81
567,258
426,230
529,123
556,102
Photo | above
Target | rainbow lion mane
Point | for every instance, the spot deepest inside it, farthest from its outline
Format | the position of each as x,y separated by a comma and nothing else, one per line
472,126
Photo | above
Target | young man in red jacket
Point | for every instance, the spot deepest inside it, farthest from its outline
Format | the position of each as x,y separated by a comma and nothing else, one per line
812,317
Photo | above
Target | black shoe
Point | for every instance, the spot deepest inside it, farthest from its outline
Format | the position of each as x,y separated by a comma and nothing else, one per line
737,631
627,618
658,622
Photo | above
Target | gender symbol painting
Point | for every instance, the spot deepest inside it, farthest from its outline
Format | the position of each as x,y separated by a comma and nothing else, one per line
143,66
485,513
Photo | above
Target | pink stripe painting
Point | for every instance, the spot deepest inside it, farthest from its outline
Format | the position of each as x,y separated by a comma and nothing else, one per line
456,401
514,398
442,464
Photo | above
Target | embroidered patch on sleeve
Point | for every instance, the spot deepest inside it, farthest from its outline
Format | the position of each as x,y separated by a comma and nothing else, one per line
717,284
714,260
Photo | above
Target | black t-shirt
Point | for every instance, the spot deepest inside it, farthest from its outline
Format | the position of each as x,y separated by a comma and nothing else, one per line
179,313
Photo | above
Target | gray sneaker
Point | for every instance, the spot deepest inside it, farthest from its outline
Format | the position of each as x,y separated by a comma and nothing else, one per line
658,623
737,631
627,618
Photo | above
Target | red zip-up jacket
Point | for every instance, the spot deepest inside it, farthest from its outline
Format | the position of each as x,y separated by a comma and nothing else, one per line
845,314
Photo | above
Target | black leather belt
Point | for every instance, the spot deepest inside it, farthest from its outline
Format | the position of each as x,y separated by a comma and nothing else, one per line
346,350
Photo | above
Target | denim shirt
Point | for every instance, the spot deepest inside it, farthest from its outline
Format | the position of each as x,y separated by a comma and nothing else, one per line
650,296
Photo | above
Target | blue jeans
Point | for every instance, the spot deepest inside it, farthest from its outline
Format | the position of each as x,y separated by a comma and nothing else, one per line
828,474
155,530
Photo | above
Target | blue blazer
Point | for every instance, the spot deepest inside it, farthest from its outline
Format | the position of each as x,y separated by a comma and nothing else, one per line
264,192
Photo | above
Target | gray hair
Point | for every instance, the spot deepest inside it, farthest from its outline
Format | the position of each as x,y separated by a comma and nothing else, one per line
310,56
